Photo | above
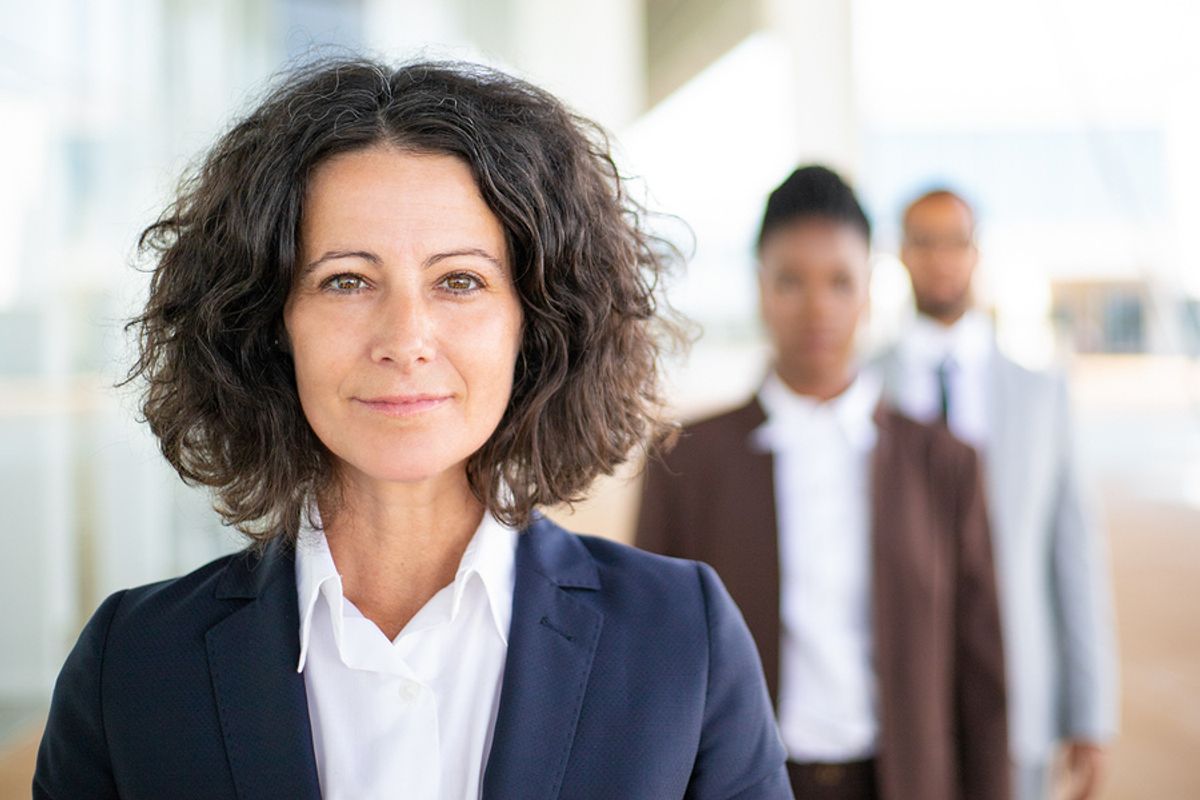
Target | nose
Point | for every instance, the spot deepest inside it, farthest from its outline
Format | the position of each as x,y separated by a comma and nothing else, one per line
817,306
403,333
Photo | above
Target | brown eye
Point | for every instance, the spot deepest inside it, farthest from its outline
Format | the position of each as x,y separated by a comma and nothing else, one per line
461,283
345,283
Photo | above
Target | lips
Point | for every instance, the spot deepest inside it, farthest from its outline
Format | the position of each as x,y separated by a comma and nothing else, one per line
818,338
405,404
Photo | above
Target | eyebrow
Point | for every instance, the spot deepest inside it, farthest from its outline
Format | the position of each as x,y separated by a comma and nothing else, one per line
466,251
366,255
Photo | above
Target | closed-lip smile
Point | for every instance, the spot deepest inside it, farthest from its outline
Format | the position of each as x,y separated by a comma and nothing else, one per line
402,405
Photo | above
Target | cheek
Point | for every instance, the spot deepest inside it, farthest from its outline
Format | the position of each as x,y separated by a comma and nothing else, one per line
486,352
771,315
850,311
321,350
314,386
920,270
513,330
854,300
778,305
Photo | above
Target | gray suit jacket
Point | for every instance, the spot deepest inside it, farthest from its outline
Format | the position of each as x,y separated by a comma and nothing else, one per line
1051,562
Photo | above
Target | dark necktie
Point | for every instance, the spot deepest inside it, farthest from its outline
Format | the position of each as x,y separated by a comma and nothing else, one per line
943,376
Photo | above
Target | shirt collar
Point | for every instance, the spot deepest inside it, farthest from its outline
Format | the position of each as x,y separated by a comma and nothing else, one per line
968,341
490,555
788,412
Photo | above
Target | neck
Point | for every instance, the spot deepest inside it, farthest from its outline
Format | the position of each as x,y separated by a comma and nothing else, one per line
396,545
942,316
821,384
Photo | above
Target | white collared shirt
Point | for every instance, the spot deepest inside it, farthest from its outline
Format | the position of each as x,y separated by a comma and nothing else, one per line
828,708
969,345
412,717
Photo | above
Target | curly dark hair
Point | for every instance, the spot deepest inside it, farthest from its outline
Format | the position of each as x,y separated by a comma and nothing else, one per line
220,393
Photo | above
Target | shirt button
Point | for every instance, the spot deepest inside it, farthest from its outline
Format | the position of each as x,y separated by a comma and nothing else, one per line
408,690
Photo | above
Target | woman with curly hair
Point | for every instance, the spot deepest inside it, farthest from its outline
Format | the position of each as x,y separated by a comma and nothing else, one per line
394,312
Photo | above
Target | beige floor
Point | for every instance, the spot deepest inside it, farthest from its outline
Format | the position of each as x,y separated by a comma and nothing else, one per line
1156,556
16,766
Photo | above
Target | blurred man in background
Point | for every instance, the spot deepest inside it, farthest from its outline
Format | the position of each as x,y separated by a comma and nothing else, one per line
1051,562
854,540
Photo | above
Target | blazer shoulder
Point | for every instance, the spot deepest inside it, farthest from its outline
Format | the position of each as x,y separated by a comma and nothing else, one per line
741,418
934,439
171,607
1048,377
633,569
187,586
717,431
644,588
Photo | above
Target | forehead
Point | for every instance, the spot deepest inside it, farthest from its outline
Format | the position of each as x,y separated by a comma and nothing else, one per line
388,193
940,211
814,242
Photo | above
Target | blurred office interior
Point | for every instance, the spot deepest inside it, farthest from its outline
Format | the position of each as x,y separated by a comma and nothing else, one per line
1073,125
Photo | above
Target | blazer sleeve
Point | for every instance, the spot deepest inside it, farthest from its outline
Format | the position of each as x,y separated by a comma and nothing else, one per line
979,679
740,754
1082,587
73,759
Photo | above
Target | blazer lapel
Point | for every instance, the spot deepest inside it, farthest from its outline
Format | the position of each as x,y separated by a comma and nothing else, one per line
261,699
752,572
1003,439
551,644
887,559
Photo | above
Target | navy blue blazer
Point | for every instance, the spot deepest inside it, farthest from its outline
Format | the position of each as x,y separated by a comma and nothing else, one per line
628,676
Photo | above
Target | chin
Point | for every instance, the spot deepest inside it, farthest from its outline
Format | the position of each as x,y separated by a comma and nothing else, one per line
821,359
949,306
397,461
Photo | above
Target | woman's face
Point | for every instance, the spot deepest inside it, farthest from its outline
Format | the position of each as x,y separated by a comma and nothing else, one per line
813,291
403,321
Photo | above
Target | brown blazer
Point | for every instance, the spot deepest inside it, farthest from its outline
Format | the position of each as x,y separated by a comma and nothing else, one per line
938,654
